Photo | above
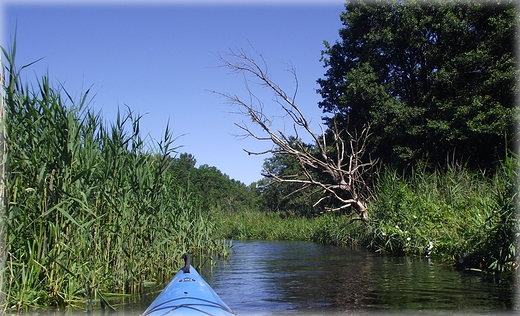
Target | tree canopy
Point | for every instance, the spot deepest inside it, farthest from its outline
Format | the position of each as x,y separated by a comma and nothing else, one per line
286,197
210,186
434,79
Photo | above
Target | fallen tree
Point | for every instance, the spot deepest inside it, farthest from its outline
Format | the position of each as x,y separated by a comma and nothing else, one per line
338,166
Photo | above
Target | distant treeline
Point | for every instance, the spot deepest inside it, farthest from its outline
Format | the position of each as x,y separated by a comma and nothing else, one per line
90,209
212,187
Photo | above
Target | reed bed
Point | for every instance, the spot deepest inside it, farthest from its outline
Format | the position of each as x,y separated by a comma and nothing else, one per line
465,218
461,217
257,225
90,208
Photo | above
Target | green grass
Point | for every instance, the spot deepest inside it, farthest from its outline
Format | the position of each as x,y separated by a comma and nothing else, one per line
458,211
263,226
90,208
463,214
257,225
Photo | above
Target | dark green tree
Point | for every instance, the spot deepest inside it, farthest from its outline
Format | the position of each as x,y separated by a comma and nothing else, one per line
182,167
432,78
215,188
210,186
288,197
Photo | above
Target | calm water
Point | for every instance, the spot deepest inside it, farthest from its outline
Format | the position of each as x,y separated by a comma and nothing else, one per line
266,278
300,278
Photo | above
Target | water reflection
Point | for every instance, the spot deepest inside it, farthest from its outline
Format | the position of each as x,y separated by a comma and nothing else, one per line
264,278
300,278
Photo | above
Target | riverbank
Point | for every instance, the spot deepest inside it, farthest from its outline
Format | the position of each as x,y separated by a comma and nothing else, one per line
306,278
91,211
460,217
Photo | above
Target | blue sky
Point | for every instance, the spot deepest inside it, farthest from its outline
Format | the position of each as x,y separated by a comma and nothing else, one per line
160,60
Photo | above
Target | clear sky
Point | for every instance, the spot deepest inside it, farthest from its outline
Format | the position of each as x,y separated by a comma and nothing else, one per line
160,60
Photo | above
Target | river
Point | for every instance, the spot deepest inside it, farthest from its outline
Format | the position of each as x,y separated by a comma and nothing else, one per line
303,278
265,278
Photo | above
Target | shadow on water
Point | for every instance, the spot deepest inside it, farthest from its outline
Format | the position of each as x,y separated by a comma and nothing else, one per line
264,278
302,278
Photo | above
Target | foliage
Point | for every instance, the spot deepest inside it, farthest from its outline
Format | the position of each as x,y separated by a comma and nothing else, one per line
501,248
210,186
431,77
339,231
89,209
258,225
286,197
446,209
454,214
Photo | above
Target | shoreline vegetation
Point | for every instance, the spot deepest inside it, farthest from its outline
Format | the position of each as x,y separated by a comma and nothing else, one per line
91,211
462,218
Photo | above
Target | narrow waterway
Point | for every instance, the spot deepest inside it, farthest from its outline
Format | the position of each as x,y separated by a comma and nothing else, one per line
303,278
276,278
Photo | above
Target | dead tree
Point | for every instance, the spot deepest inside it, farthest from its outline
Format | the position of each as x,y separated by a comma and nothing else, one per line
340,159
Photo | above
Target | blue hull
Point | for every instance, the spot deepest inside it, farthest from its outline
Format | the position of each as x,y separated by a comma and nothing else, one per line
188,294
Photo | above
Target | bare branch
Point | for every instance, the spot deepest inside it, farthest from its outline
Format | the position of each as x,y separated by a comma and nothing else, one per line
341,162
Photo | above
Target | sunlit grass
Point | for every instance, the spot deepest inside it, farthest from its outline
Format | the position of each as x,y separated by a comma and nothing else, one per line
455,211
250,224
90,207
446,214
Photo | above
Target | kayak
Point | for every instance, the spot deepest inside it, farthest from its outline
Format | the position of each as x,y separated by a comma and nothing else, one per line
188,294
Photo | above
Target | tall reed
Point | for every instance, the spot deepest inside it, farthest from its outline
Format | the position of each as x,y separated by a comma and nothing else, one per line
500,250
253,224
463,216
91,208
455,215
